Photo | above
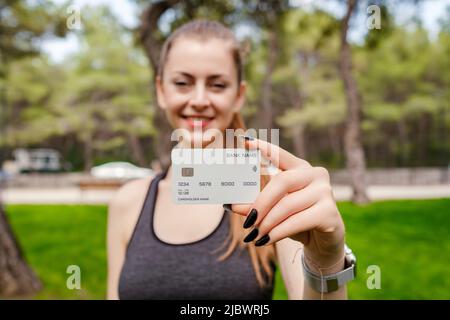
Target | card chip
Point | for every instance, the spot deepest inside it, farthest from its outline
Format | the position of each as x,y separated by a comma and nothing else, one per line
187,172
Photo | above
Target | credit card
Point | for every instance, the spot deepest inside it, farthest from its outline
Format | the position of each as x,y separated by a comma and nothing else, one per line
215,176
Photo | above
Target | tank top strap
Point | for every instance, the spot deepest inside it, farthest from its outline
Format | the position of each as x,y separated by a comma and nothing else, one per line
146,213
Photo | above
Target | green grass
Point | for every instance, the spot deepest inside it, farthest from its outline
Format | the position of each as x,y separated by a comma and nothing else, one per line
408,240
54,237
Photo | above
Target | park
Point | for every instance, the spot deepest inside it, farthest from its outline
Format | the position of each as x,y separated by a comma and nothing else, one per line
88,116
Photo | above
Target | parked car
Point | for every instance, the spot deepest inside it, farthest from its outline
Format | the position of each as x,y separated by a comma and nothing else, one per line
4,176
120,170
38,160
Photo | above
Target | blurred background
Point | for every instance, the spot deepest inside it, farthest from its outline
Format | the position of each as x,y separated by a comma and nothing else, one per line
359,87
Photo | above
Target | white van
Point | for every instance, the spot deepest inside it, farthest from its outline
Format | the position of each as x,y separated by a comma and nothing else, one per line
41,160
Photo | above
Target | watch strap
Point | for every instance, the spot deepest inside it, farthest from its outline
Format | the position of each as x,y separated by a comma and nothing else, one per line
332,282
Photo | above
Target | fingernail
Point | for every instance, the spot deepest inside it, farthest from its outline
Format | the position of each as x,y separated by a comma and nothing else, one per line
251,218
227,207
252,235
262,241
248,138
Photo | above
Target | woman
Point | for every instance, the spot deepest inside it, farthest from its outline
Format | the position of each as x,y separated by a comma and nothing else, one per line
160,250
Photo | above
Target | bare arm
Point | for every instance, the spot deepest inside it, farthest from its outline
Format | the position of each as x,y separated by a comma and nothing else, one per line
115,247
288,254
289,257
123,212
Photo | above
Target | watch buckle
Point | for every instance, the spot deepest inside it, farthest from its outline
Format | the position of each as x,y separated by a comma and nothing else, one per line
332,285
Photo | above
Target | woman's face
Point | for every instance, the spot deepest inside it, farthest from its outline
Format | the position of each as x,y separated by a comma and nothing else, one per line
199,87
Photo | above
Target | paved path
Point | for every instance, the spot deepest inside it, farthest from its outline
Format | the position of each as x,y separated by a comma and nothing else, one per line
77,196
397,192
56,196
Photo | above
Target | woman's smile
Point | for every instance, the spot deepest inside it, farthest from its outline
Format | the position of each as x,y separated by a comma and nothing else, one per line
196,121
200,88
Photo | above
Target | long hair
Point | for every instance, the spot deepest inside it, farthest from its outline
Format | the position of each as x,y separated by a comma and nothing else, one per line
261,257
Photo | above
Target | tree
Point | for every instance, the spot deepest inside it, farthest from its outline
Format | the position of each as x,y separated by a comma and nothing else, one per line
20,25
268,15
106,98
310,45
405,94
32,82
152,38
356,162
16,277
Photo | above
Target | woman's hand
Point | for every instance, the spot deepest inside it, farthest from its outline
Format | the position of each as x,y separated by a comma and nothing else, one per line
297,203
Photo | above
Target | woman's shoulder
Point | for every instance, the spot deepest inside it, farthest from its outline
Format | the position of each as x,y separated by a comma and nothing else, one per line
129,195
125,206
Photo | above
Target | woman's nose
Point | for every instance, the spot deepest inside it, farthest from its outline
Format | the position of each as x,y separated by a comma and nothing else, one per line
200,98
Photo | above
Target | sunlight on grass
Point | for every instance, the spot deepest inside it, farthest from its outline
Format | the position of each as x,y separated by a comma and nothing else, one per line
408,240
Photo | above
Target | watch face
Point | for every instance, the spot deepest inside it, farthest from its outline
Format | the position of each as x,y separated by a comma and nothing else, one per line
347,250
350,261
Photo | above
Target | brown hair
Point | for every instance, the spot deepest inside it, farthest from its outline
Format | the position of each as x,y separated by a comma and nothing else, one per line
261,257
203,29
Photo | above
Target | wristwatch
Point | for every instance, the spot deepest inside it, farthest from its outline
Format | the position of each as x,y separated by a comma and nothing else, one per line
332,282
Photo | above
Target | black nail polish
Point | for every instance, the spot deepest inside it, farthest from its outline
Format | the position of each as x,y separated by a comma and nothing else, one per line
262,241
252,235
227,208
249,138
251,218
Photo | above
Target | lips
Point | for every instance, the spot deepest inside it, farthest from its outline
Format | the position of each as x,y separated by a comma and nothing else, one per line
193,121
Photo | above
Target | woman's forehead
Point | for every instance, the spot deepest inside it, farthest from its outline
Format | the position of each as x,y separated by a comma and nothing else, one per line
200,57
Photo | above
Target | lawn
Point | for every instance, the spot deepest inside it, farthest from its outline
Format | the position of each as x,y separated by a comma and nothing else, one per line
408,240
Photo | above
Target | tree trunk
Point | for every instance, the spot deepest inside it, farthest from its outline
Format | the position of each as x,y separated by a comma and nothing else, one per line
356,163
136,150
3,107
88,154
148,31
422,139
403,137
16,277
266,89
444,136
299,141
152,42
297,100
334,140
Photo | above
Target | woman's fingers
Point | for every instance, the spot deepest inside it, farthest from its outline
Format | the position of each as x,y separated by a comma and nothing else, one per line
242,209
278,187
295,224
278,156
281,184
292,203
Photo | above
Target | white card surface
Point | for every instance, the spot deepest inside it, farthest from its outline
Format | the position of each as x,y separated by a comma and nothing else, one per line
215,176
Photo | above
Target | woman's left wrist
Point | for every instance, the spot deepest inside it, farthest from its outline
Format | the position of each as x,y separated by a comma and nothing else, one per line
325,264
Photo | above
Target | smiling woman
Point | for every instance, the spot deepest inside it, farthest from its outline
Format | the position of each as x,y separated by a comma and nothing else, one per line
198,84
205,252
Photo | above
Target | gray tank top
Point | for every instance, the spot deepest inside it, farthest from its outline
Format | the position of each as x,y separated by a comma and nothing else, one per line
154,269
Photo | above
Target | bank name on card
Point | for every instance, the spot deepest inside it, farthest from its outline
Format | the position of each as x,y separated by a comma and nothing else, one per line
215,176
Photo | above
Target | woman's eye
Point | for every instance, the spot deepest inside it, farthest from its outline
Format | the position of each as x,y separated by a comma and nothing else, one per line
180,83
219,85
